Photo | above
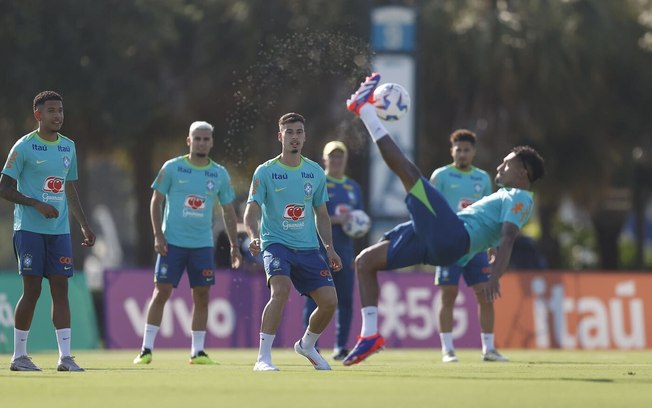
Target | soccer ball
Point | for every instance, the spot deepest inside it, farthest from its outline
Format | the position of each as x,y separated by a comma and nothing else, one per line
357,225
391,101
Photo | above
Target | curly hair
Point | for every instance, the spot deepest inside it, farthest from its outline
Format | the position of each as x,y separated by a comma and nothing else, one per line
45,96
532,161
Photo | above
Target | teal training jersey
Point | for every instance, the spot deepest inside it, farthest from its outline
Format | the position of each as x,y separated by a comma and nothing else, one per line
41,169
483,219
461,188
191,192
287,197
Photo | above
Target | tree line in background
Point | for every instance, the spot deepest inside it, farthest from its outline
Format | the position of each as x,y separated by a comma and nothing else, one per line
571,78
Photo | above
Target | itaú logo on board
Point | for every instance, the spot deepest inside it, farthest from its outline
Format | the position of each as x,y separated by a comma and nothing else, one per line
601,323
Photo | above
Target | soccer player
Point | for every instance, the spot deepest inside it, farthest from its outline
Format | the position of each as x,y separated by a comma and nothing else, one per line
462,184
435,235
288,195
344,195
191,186
39,177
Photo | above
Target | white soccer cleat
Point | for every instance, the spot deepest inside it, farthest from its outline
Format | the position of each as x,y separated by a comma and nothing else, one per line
449,357
493,355
265,366
313,356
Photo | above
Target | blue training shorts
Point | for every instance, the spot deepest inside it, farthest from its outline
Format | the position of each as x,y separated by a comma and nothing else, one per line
43,254
476,271
307,269
199,262
434,235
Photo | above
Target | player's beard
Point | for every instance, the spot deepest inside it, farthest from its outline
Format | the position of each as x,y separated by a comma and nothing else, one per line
202,155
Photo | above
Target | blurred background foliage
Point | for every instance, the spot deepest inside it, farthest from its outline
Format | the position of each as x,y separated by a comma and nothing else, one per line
573,78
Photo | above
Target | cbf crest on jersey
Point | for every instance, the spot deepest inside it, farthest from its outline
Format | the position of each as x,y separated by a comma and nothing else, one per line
210,185
307,188
66,162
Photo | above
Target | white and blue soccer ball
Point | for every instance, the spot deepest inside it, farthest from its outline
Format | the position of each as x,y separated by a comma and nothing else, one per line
357,225
391,101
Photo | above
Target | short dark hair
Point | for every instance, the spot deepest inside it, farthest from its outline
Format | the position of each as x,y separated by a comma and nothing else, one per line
532,161
45,96
463,135
291,118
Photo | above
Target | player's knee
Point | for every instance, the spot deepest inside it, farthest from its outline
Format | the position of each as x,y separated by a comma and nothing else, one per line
362,261
328,304
32,293
448,296
200,296
161,294
280,293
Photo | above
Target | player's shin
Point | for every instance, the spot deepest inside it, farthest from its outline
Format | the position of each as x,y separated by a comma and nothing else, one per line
371,121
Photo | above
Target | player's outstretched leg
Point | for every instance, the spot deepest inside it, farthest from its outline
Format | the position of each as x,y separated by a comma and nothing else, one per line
361,104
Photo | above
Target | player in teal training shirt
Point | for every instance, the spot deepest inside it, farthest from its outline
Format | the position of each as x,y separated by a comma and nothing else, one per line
288,194
191,187
462,184
436,235
39,178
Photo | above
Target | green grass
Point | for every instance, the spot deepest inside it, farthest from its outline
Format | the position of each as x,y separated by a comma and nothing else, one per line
394,378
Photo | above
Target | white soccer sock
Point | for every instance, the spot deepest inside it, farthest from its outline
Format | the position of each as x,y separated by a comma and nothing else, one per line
20,343
369,321
63,341
372,122
446,342
265,349
309,339
198,338
487,342
150,335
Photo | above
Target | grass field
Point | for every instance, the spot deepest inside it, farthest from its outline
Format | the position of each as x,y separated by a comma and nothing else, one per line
394,378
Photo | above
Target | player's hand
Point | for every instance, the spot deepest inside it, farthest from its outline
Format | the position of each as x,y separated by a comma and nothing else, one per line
334,260
491,254
89,236
47,210
254,246
236,257
492,289
160,245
